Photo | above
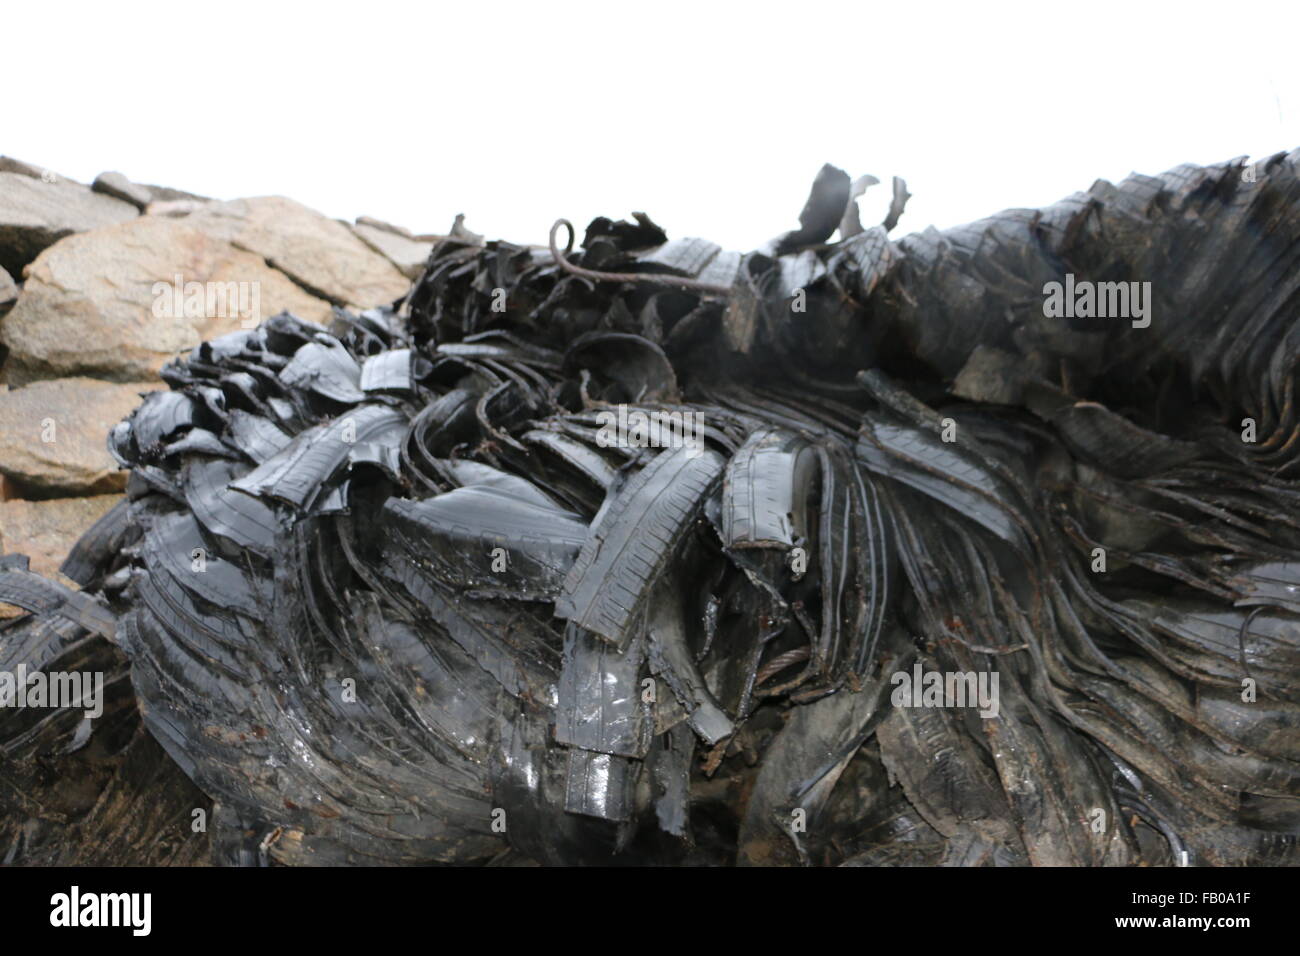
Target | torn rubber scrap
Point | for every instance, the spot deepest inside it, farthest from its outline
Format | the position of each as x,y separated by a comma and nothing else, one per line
841,551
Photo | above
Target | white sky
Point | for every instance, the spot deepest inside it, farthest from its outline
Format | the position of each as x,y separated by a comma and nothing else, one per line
712,117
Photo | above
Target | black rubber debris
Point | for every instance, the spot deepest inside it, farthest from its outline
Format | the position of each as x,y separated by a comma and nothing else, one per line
842,551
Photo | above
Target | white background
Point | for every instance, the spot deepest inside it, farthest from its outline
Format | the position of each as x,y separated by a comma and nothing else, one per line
711,117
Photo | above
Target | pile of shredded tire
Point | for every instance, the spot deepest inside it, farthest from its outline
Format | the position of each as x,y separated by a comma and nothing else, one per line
391,593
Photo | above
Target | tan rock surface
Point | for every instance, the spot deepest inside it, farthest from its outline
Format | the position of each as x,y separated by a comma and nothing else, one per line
45,531
318,253
53,435
92,304
407,253
35,214
8,292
